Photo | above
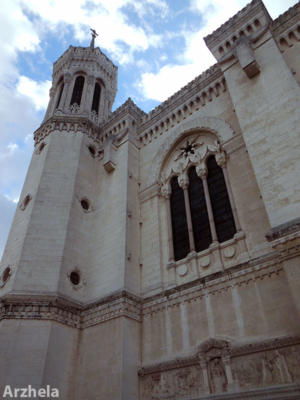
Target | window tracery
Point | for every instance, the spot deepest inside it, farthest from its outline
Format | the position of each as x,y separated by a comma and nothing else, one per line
201,209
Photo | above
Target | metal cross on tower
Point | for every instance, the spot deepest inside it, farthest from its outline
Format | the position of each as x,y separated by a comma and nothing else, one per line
94,35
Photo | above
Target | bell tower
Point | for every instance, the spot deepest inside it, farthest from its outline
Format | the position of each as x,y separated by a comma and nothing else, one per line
84,84
60,256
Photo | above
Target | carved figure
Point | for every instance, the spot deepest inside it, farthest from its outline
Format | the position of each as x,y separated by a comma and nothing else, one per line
218,380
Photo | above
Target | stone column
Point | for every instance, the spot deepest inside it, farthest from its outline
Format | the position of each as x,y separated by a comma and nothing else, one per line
203,365
230,381
221,161
183,182
88,95
202,173
64,96
166,193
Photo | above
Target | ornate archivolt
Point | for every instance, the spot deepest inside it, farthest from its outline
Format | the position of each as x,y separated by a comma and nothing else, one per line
193,150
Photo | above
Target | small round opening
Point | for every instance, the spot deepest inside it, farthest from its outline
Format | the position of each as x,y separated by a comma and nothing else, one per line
85,204
75,277
25,202
92,150
6,274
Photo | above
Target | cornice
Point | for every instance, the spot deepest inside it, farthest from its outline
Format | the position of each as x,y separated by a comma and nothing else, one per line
116,122
178,98
85,54
284,230
235,22
286,20
69,312
67,123
125,304
260,268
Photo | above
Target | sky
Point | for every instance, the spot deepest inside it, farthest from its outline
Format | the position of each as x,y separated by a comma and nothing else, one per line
157,45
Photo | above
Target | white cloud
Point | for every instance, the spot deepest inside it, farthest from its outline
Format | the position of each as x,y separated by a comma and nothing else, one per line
196,57
7,211
37,92
107,17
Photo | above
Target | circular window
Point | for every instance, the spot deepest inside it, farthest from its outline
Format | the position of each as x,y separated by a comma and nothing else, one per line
6,274
75,277
85,204
92,150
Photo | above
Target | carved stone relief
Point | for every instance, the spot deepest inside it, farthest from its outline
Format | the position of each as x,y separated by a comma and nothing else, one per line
173,384
218,368
217,375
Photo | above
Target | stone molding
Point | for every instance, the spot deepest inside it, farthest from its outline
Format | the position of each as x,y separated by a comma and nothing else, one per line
53,308
169,115
237,22
69,124
222,347
226,369
286,20
283,230
125,304
218,282
85,55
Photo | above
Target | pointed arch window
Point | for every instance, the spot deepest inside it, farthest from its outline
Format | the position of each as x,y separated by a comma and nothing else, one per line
206,204
221,207
96,98
179,222
77,90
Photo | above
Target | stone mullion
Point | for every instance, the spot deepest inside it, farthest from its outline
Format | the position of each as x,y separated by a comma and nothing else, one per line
183,183
166,193
88,99
67,80
209,209
170,233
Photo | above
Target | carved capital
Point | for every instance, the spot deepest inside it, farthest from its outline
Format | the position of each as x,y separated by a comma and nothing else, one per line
165,191
201,171
67,77
221,159
183,181
90,80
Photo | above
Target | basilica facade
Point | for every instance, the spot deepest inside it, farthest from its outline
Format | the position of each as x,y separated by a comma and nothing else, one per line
157,256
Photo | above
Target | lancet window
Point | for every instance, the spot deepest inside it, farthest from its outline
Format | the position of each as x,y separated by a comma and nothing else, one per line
96,98
77,90
200,204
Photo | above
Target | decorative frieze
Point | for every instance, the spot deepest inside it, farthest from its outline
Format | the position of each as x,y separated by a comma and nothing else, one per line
71,124
68,312
220,366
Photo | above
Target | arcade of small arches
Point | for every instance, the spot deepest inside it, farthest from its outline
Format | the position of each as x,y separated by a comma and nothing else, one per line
199,200
78,93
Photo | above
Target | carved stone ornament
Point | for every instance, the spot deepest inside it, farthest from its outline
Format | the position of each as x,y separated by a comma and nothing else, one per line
165,190
193,150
